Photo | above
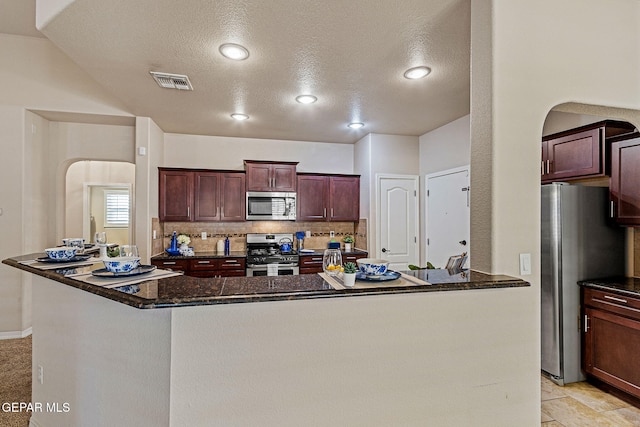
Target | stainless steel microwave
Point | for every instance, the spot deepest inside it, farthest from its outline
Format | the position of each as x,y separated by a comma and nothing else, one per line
271,206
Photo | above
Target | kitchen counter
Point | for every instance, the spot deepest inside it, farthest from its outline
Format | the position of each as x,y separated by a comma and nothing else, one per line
307,351
189,291
320,252
201,254
625,285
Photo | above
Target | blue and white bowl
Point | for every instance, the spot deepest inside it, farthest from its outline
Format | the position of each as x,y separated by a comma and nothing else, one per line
121,264
373,266
61,252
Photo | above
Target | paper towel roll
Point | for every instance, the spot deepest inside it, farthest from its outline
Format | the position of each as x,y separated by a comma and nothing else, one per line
220,247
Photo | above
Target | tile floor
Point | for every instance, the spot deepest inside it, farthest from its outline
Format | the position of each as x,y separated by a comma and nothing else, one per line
583,405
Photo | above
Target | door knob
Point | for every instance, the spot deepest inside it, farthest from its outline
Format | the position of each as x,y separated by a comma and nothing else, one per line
463,242
384,250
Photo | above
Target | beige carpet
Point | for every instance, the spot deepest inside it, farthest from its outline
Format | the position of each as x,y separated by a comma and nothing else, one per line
15,379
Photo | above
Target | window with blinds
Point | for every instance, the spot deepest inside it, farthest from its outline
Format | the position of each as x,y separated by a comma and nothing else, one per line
116,206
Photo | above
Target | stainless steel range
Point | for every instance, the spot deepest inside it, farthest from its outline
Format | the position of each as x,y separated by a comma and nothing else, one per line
271,255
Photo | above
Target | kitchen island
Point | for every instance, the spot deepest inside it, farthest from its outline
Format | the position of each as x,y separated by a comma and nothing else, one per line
282,351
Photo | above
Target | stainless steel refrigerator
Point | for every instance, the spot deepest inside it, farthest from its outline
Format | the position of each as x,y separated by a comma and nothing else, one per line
576,244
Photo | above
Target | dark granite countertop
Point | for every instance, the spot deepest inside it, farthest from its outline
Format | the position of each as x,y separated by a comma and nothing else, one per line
624,285
182,290
201,254
320,252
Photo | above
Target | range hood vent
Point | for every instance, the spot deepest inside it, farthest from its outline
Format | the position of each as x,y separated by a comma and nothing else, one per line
172,81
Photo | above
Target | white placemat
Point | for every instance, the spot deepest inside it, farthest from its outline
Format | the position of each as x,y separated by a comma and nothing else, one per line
58,265
115,282
404,280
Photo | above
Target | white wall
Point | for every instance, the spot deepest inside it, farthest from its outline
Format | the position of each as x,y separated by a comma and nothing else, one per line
528,57
38,76
216,152
559,121
376,154
446,147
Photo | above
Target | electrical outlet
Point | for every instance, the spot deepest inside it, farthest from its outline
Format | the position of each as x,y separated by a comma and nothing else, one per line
154,235
332,234
40,374
204,235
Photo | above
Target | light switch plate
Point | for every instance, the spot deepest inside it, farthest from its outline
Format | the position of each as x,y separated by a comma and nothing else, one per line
525,264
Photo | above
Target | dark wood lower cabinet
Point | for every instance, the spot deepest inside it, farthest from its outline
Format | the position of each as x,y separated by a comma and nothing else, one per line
312,264
611,341
205,267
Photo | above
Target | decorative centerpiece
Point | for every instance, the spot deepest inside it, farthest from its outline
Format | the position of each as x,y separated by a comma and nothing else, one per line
348,241
349,274
183,241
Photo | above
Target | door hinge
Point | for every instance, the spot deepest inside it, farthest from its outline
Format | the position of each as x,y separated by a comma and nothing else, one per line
427,241
415,193
427,193
415,239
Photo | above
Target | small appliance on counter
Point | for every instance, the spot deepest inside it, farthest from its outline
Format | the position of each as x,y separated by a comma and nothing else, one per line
271,254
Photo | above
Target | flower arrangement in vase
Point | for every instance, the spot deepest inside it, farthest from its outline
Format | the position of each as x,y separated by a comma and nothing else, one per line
183,241
349,274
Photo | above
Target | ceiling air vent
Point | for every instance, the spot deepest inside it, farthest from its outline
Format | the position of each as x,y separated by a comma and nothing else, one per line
172,81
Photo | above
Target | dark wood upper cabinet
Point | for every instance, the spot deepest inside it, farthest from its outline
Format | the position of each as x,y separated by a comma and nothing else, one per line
312,198
176,195
580,153
270,176
201,195
344,198
232,196
624,185
328,197
206,196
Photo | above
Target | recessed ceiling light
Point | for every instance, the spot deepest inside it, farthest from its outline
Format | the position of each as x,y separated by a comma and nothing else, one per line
355,125
239,116
306,99
417,72
234,51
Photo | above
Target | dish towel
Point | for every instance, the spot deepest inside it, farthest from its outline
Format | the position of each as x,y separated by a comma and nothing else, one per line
272,269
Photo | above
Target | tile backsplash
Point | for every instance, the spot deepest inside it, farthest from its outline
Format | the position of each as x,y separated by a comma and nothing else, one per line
237,232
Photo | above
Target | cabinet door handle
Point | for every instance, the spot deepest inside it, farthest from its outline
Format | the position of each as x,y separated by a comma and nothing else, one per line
188,211
548,166
331,212
168,263
609,297
232,261
324,213
586,323
542,167
612,209
204,262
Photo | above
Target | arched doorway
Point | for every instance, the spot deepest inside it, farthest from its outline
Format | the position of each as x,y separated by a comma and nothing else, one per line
99,197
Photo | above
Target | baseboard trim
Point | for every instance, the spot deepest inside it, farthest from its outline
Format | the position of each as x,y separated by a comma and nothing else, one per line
15,334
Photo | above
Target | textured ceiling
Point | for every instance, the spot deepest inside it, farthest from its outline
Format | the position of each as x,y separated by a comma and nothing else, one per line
350,54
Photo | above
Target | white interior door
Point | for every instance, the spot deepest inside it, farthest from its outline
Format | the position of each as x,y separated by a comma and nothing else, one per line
447,222
398,220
